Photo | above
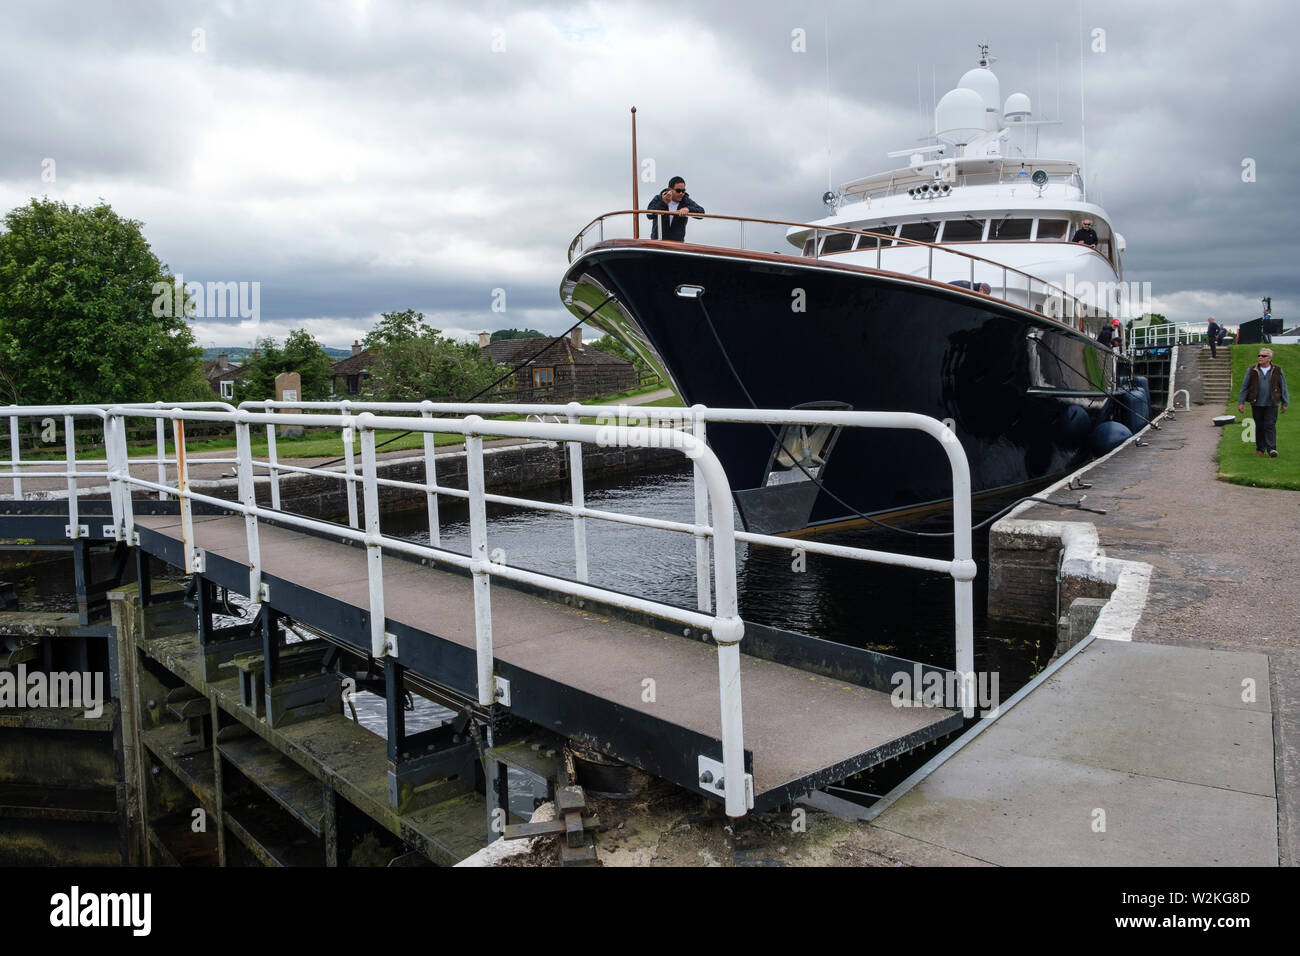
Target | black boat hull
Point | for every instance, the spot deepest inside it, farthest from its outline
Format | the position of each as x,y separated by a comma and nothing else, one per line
1021,391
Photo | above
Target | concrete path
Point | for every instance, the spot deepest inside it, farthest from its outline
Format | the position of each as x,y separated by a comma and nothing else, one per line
1155,733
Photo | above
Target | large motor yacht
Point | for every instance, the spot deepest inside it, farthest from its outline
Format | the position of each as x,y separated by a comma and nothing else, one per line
952,287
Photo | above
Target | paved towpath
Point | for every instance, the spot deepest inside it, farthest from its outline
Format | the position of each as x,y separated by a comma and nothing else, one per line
1160,735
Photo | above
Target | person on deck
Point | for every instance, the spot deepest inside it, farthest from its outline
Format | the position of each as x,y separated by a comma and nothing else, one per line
1265,388
1086,234
677,203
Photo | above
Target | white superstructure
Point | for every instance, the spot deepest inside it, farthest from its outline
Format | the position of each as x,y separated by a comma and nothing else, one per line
981,189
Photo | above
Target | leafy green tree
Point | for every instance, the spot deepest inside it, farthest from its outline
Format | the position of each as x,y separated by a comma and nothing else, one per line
78,321
607,343
301,354
500,334
410,361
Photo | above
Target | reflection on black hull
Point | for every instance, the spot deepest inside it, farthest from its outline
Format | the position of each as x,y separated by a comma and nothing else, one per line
1021,391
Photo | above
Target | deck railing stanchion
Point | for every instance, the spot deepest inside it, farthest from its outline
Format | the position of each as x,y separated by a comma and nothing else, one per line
728,629
380,644
963,571
703,590
15,455
478,553
579,497
431,478
248,498
70,447
160,438
272,461
350,468
183,493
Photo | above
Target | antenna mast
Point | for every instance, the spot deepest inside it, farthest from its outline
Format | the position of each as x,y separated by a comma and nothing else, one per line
826,27
1083,123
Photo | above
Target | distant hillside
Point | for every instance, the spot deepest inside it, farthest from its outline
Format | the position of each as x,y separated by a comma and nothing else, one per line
238,354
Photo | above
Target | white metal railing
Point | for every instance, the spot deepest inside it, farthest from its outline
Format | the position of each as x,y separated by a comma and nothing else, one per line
957,266
677,428
1151,336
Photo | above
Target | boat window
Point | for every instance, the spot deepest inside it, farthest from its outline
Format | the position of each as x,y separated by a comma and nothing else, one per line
920,231
869,242
1010,229
1053,229
838,242
963,230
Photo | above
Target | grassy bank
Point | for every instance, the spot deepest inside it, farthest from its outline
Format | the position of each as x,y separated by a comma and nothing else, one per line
1236,458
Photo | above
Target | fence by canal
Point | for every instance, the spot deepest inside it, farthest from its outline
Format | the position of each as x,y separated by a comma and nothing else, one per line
512,651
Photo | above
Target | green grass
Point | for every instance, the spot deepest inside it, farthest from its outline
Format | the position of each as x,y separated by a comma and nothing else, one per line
1236,458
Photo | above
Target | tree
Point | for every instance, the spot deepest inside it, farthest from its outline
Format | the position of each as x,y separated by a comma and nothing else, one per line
411,361
301,354
77,286
607,343
500,334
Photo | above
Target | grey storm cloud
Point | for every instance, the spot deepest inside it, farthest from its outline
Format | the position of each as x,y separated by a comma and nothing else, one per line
361,156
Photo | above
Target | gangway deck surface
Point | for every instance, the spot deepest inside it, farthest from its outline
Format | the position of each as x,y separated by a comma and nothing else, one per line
580,672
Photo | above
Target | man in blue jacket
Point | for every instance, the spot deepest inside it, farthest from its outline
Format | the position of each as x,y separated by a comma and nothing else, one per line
677,203
1265,388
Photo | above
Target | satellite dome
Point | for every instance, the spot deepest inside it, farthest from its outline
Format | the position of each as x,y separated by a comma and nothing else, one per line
959,117
985,83
1017,107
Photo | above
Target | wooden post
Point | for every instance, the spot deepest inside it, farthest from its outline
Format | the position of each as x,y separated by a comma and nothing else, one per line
636,191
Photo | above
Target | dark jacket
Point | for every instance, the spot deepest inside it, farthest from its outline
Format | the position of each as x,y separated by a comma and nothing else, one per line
670,227
1107,335
1278,393
1084,234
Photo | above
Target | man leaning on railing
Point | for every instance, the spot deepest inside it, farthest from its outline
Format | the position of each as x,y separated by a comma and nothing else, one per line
678,203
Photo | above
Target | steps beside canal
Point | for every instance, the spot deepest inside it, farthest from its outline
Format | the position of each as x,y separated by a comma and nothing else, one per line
1215,374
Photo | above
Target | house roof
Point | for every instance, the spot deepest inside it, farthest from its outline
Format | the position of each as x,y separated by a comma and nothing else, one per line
352,365
215,371
559,352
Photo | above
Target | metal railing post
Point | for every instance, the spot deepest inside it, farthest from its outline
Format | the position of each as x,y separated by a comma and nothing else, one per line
381,645
703,589
272,460
70,446
350,469
183,493
728,630
579,497
15,454
124,486
929,267
431,478
248,498
877,252
963,572
160,435
478,553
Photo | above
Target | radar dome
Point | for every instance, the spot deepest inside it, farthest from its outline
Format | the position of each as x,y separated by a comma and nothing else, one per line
959,117
985,83
1017,107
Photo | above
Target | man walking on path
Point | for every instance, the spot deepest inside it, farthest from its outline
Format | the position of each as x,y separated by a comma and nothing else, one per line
1265,388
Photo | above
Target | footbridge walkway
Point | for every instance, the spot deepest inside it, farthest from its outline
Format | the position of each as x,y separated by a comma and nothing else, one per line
652,684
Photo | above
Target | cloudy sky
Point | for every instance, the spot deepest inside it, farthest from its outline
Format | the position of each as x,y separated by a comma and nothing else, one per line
354,157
